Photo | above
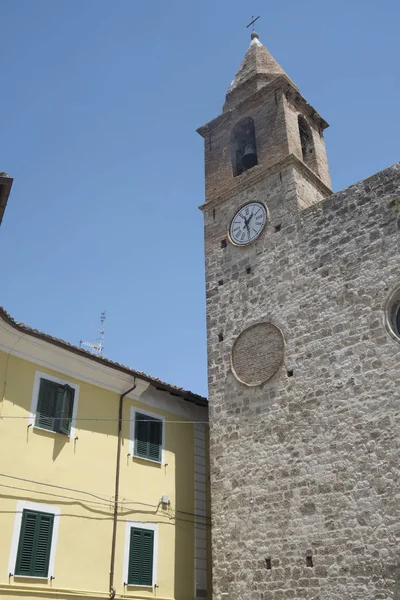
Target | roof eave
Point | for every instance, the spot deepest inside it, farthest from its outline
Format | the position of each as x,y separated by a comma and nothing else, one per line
158,384
5,189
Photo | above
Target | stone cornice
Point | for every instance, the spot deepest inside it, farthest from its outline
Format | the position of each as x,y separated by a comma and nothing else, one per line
282,83
255,175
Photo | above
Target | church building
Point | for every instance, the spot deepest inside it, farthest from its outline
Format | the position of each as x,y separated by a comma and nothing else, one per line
303,322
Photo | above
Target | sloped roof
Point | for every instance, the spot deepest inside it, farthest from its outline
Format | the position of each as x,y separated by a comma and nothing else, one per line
257,61
258,69
158,383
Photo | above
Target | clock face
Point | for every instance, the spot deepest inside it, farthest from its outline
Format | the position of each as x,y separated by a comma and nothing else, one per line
248,223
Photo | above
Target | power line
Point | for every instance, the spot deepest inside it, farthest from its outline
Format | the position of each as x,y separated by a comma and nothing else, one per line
59,487
53,495
104,500
116,419
182,512
165,515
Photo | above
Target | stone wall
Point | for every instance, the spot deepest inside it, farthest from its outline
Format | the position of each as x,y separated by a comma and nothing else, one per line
305,468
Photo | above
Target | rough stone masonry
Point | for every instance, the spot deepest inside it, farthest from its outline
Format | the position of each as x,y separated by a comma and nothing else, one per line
304,467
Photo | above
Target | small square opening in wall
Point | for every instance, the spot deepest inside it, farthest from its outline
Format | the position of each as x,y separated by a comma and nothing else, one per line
221,282
268,564
248,270
290,373
223,243
309,561
220,337
278,227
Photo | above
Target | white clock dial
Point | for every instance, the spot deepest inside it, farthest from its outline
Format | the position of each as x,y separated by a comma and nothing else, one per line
248,223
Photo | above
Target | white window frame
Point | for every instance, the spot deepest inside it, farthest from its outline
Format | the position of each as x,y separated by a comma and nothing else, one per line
132,448
46,508
149,527
35,398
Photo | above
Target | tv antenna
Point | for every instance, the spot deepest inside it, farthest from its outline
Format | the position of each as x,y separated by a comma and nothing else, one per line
96,346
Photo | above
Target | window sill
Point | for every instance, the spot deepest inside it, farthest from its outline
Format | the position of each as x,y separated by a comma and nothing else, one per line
148,460
29,577
38,429
139,586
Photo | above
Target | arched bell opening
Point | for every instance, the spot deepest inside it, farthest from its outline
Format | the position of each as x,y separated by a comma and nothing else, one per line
243,146
306,141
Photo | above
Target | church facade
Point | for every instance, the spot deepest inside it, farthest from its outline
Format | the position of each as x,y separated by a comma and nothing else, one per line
303,329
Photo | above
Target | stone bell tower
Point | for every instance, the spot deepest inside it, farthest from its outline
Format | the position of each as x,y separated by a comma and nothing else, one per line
287,335
265,111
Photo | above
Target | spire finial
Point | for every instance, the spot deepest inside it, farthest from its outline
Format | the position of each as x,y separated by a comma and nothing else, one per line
254,34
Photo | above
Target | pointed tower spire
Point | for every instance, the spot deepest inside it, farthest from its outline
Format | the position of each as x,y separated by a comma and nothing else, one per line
266,127
257,69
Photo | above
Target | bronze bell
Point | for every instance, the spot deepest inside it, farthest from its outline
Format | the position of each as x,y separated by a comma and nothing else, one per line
249,158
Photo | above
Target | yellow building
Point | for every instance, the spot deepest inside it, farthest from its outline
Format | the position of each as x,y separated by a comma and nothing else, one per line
103,476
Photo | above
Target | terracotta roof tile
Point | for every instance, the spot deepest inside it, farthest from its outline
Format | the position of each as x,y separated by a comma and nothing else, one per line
172,389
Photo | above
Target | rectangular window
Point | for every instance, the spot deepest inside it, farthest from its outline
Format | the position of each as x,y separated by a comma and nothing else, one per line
55,406
34,546
141,550
148,437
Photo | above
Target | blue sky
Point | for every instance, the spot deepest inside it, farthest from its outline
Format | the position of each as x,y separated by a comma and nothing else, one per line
100,102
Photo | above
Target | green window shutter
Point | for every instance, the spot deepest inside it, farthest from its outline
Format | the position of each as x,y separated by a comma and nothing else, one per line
140,435
43,544
47,404
147,557
55,406
34,547
155,439
66,405
134,557
26,544
140,569
148,437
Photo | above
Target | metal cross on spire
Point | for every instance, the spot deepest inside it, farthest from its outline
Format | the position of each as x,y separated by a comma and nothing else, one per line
253,20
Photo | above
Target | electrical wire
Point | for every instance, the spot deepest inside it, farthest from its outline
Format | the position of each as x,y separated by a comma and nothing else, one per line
113,420
104,500
59,487
165,515
53,495
182,512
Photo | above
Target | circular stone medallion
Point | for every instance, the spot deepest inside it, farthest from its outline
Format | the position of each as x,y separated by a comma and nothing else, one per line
257,353
392,314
